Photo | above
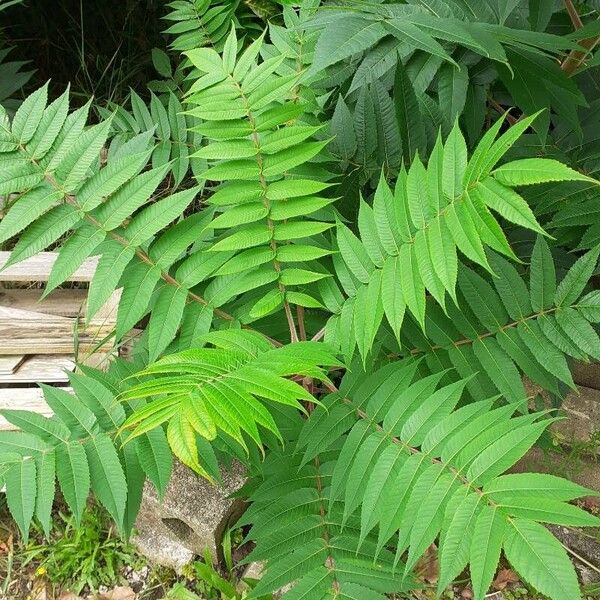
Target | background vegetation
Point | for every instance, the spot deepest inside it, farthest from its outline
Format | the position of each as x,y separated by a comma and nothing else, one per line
348,230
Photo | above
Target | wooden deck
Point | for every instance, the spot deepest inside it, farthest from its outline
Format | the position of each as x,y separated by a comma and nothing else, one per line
42,340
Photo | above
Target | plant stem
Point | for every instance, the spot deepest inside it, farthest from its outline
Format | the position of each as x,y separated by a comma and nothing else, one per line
573,14
301,326
320,334
498,107
576,57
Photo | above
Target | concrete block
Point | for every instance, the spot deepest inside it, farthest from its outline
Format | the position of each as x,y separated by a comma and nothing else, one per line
192,516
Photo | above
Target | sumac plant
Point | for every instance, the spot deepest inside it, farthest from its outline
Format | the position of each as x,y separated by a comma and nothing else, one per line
349,234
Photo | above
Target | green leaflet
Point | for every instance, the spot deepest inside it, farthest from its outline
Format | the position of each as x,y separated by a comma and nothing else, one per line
589,306
505,451
74,476
483,300
74,252
99,400
349,35
71,131
29,206
530,484
548,510
134,476
429,519
109,179
384,474
539,558
511,288
536,170
507,203
412,285
452,90
417,37
157,216
166,317
575,280
141,280
484,554
392,298
20,482
579,331
155,458
111,266
408,115
40,234
454,163
77,417
542,278
72,169
127,199
45,483
106,476
29,115
182,440
457,539
353,253
344,143
19,178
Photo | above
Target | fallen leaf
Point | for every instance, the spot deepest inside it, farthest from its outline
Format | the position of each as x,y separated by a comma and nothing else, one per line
6,546
591,504
39,590
68,596
428,567
467,594
504,577
121,592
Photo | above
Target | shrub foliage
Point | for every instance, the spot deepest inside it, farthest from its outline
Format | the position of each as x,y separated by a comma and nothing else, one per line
347,256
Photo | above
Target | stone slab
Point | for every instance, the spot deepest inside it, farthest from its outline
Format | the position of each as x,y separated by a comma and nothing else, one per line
192,516
587,374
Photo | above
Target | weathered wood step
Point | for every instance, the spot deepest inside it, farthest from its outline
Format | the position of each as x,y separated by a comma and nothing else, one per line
9,364
40,367
28,332
38,267
62,303
23,399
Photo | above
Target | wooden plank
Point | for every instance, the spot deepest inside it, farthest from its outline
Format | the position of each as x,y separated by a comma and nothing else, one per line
26,332
38,267
41,368
54,345
62,303
25,318
97,360
9,364
23,332
108,311
23,399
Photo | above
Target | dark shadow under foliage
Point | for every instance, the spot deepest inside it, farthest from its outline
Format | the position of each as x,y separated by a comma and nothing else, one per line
101,47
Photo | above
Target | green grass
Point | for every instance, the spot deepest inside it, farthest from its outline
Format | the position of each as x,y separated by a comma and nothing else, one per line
76,559
92,556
